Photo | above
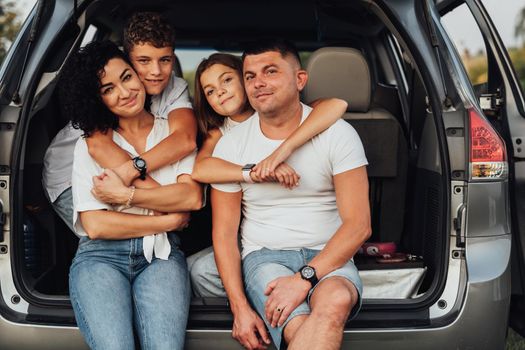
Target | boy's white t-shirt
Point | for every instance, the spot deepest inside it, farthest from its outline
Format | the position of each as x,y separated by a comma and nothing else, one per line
58,160
306,216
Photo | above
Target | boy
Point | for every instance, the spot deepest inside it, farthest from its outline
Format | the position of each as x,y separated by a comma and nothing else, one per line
149,42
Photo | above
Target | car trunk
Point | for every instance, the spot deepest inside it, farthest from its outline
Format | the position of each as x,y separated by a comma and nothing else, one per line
409,184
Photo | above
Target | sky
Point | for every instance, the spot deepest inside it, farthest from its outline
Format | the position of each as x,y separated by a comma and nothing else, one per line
504,15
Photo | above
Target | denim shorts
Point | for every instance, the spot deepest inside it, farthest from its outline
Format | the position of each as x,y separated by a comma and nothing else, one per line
262,266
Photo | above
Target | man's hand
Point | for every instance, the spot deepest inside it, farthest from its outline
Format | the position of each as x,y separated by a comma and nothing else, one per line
284,295
109,188
249,329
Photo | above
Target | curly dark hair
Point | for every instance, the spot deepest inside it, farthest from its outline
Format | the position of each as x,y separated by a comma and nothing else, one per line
79,87
148,28
207,118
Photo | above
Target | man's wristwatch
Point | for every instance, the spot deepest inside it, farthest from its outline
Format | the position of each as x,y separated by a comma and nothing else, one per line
140,165
307,272
246,170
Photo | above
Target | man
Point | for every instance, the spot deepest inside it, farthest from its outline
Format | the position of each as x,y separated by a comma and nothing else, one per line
297,244
149,43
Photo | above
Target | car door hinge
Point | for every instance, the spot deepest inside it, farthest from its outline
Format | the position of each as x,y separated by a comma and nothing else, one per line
459,226
6,126
2,221
491,103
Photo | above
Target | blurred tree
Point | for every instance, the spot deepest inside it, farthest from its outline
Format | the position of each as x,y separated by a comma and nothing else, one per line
519,28
9,26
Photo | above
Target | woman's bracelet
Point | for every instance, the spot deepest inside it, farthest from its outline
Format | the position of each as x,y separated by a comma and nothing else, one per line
130,198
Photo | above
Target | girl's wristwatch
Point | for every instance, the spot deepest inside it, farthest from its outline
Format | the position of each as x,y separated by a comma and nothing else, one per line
246,170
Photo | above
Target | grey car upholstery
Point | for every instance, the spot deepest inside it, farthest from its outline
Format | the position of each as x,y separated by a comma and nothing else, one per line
344,73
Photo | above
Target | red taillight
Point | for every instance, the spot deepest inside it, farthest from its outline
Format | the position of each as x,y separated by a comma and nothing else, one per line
488,158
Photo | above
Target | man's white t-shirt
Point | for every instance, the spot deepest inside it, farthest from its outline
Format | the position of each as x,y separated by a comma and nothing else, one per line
306,216
85,167
58,160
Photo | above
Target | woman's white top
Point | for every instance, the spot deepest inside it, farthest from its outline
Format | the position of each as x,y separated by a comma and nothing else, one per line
85,167
58,160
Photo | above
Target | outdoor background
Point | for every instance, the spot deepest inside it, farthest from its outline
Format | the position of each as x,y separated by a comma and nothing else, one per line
508,16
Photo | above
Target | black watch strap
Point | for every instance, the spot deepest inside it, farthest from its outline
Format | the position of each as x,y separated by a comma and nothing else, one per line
140,165
308,273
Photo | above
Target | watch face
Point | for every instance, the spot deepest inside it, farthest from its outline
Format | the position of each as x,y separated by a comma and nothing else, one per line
248,167
140,163
307,272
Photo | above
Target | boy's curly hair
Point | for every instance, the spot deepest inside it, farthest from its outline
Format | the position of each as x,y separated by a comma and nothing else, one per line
148,28
79,87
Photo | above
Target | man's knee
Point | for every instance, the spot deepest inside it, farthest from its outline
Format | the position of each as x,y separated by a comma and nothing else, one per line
292,326
334,298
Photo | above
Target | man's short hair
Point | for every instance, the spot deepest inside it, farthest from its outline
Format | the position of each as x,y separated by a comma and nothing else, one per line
148,28
284,47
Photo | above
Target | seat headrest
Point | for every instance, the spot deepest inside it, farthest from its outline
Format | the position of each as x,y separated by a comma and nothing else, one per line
339,72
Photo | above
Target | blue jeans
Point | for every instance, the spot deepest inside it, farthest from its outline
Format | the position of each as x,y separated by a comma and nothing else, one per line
114,291
63,206
263,266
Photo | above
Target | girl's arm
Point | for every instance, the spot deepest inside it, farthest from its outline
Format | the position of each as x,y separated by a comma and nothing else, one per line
104,224
179,144
208,169
325,113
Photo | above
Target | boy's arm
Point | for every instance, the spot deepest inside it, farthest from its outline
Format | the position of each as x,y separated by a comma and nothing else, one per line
179,144
110,156
325,113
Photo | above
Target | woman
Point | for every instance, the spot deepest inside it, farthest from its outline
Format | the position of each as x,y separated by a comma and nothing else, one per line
128,273
221,104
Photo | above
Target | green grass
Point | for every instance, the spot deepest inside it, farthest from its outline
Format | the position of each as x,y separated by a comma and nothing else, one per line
515,341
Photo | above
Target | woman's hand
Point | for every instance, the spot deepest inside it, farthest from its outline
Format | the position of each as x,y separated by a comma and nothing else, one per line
177,221
286,176
109,188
